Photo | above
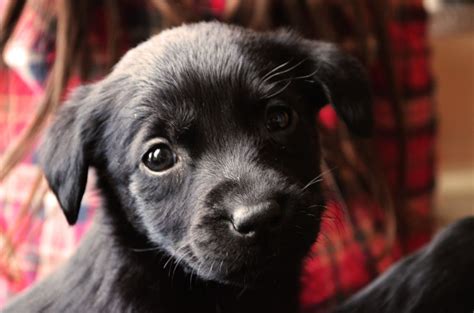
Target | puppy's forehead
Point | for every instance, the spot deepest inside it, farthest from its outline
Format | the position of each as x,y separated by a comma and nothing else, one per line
207,53
172,51
202,67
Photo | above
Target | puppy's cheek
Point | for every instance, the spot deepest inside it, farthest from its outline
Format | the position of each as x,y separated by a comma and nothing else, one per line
211,239
213,251
160,206
153,189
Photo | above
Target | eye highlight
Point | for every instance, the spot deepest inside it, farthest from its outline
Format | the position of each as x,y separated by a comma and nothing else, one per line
159,158
278,118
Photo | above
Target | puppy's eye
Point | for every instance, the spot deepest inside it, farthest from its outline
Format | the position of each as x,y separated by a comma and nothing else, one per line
159,158
278,118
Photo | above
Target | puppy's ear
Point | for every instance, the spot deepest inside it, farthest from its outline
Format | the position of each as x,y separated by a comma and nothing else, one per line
345,85
64,155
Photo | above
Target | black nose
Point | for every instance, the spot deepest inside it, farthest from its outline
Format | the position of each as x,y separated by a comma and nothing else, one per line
261,217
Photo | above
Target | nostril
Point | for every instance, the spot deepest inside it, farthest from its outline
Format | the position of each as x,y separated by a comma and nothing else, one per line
264,216
244,228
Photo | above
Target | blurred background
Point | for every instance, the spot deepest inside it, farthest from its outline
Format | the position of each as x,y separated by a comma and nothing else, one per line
451,32
386,196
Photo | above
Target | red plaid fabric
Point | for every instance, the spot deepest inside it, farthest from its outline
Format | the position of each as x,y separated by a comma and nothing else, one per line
353,247
408,34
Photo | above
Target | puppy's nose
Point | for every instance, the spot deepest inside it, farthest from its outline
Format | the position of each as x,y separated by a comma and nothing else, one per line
261,217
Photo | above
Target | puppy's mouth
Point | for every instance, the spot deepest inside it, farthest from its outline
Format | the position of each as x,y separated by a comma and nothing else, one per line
215,255
239,273
239,270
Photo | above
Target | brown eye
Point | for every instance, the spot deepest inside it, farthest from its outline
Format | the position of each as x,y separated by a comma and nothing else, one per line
159,158
278,118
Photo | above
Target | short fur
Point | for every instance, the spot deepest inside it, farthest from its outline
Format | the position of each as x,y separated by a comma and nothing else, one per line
164,242
439,278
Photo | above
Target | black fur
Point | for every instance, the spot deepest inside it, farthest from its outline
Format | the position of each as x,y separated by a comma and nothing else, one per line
437,279
167,242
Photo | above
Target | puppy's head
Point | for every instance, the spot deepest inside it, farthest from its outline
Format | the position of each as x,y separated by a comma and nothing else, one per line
204,141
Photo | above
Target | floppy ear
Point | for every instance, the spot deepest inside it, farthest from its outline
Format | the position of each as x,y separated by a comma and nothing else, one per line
63,154
345,85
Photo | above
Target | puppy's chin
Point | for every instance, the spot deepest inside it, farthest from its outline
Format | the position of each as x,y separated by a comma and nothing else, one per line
246,275
263,269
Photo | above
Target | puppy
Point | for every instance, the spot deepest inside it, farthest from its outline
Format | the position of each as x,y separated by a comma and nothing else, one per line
206,151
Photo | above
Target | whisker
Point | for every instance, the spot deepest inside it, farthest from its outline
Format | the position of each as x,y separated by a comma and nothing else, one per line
312,182
180,259
275,69
193,273
211,268
170,258
299,77
277,92
200,263
146,249
283,71
316,179
241,293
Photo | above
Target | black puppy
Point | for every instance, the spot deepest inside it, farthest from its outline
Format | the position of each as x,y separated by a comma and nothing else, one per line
207,157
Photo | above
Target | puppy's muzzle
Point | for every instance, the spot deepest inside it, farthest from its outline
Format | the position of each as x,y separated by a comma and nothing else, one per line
250,209
246,227
253,220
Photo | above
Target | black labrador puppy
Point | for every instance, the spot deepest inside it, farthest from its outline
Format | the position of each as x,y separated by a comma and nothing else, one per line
207,156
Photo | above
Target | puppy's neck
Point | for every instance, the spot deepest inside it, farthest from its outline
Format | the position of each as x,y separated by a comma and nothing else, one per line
145,280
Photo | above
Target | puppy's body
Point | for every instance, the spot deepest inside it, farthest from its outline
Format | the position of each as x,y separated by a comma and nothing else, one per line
104,277
437,279
207,157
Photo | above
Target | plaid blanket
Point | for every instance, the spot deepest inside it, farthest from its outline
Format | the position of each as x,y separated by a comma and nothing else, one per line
353,247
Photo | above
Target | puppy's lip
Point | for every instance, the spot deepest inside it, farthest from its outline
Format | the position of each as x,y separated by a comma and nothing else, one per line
227,270
248,274
262,263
